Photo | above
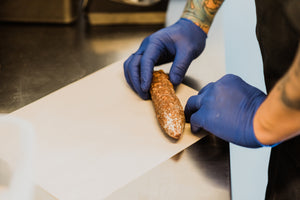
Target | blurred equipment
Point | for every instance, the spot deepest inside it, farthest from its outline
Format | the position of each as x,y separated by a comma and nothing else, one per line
126,12
138,2
40,11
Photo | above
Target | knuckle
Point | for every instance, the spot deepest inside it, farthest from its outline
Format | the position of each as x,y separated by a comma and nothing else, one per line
228,77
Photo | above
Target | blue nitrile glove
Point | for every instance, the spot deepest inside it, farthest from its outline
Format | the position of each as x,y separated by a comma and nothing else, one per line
181,42
226,108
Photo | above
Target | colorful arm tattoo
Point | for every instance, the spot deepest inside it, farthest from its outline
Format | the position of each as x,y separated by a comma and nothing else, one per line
202,12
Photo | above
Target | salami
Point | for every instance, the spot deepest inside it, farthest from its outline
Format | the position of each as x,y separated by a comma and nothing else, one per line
168,109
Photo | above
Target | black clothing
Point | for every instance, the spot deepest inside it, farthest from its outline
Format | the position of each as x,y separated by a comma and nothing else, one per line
277,37
284,171
278,33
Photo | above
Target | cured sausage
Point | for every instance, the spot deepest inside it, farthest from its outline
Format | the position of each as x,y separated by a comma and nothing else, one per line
168,109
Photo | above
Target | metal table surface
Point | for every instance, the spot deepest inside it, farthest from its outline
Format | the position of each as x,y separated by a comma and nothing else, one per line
37,59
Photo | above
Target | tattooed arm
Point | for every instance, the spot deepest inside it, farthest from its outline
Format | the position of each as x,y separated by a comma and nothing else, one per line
278,118
202,12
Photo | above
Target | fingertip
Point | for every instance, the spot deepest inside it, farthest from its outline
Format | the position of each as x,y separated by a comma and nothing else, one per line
193,105
146,79
133,75
196,122
126,69
145,86
144,95
146,75
195,129
175,79
178,71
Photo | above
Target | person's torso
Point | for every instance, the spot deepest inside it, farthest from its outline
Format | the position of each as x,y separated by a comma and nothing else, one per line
277,38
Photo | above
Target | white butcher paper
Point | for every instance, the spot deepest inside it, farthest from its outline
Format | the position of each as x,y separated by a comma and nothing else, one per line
96,135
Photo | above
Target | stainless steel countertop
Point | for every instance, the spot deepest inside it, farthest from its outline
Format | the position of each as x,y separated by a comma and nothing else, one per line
38,59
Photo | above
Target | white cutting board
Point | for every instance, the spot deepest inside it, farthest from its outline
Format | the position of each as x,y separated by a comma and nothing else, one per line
96,135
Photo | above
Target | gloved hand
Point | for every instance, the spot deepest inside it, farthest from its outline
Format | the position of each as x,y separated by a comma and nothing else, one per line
181,42
226,108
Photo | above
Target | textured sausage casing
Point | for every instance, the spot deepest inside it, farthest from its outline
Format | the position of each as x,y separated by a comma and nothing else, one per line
169,111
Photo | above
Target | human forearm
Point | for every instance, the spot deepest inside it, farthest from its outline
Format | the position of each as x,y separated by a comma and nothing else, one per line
278,118
202,12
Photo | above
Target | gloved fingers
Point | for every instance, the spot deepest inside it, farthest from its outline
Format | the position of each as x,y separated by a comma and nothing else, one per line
197,121
132,68
228,78
133,72
126,70
179,67
192,106
206,88
194,103
148,61
142,47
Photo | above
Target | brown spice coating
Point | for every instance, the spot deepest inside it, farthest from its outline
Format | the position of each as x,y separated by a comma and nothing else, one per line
169,111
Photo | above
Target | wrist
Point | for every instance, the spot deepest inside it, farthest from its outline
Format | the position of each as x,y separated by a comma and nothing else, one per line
203,27
194,26
201,12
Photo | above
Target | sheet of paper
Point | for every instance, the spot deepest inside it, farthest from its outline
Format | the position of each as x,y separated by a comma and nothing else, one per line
96,135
